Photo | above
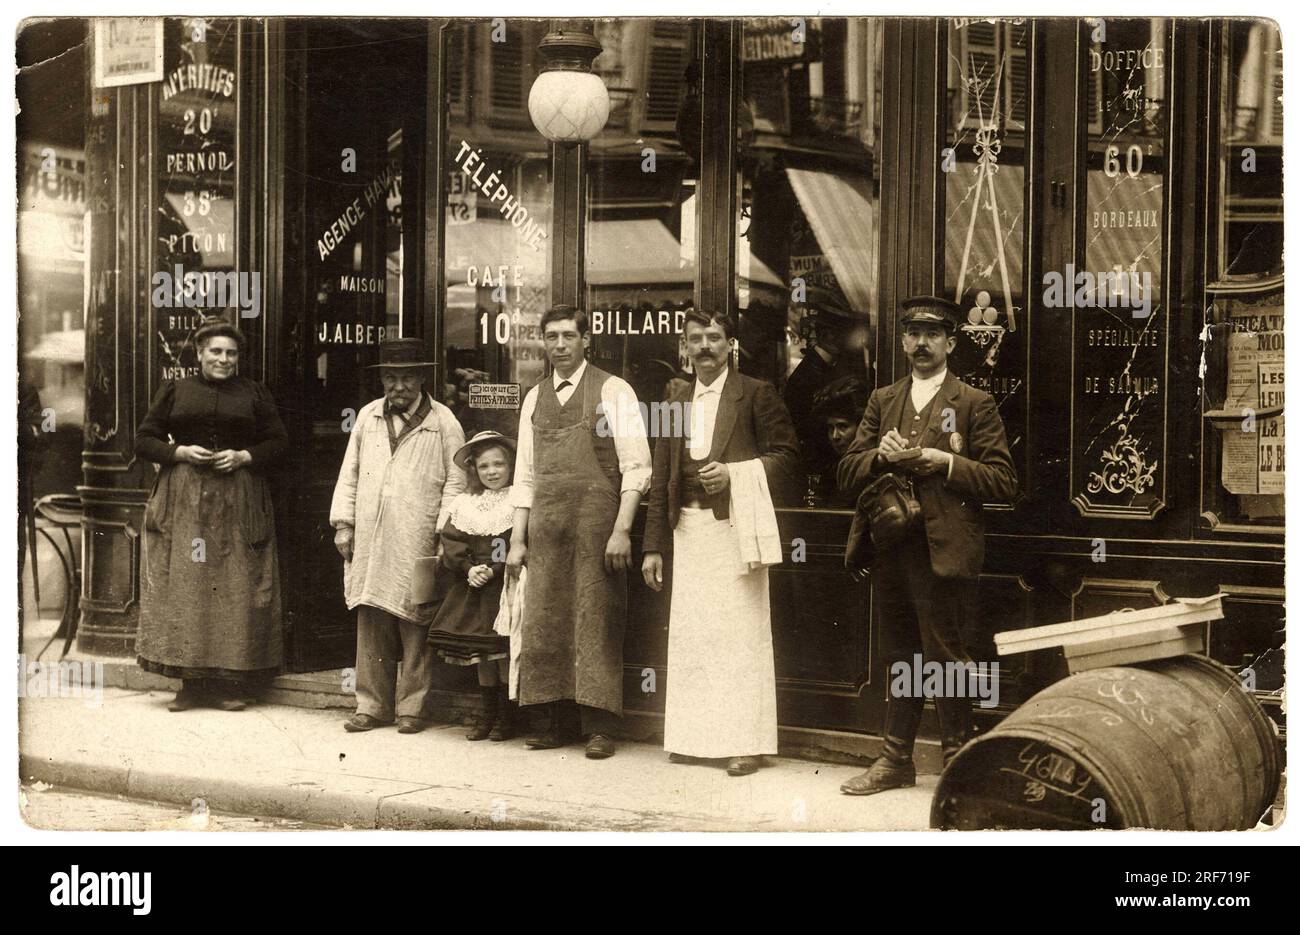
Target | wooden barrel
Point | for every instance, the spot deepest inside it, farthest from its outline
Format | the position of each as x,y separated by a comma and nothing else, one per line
1174,744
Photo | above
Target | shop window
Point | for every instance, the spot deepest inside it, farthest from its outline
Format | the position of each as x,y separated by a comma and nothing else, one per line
460,65
356,271
1250,166
497,232
1113,288
1244,430
667,52
982,177
988,71
508,51
808,223
641,204
198,129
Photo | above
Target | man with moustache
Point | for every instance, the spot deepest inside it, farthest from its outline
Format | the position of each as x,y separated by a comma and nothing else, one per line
949,438
721,698
582,464
394,490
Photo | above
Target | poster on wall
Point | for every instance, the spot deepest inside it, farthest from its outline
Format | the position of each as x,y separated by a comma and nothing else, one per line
1251,422
128,50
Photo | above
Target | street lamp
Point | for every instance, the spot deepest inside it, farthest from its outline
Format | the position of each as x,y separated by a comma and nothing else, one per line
567,103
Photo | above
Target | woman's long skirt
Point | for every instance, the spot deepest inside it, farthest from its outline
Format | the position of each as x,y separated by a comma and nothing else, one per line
210,578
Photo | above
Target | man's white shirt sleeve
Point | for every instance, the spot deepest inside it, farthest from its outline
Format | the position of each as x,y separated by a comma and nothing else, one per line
619,406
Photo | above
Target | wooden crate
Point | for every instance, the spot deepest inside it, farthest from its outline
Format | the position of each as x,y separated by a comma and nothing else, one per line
1122,637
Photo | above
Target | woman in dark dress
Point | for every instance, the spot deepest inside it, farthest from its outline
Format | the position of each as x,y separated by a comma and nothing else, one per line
471,571
210,580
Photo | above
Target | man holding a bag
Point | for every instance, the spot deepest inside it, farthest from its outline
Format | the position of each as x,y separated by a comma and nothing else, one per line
947,440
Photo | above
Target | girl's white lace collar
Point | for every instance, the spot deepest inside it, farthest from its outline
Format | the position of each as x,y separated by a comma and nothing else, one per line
483,514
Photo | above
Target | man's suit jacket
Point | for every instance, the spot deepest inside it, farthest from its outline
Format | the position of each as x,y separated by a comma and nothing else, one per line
752,422
952,506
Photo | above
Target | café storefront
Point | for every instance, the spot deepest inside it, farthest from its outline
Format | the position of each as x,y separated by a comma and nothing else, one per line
383,178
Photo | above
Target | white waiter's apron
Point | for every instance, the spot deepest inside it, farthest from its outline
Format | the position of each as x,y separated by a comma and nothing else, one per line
721,694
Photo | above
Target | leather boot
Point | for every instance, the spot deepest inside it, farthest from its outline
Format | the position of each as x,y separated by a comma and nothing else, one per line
191,695
884,774
487,714
555,734
956,725
507,711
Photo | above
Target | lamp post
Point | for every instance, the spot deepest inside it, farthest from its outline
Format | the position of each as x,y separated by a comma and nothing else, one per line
569,106
567,103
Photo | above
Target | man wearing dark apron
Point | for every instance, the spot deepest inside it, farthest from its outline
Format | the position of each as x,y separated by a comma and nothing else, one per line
582,465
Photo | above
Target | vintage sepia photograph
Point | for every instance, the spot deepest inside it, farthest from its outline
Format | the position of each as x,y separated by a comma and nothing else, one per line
749,423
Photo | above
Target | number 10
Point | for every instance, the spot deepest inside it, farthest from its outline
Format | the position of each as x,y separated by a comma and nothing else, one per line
501,328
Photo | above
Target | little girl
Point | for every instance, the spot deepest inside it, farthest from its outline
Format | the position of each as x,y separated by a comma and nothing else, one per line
471,571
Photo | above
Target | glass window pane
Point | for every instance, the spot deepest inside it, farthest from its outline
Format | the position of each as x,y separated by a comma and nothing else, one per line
354,219
982,173
1250,243
1118,461
498,223
641,204
808,226
197,127
1245,432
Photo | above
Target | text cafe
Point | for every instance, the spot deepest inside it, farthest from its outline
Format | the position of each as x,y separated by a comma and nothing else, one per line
1101,198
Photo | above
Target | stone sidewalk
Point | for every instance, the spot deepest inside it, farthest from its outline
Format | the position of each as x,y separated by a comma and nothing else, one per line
298,763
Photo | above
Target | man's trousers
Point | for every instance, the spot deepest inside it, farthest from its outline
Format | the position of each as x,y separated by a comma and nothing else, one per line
384,687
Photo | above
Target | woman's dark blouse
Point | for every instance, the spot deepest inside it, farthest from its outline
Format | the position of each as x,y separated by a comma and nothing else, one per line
237,413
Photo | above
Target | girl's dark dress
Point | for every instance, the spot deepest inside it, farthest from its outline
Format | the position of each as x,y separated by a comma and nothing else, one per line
210,580
477,531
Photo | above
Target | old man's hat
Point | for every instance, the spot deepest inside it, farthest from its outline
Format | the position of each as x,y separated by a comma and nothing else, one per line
402,352
930,309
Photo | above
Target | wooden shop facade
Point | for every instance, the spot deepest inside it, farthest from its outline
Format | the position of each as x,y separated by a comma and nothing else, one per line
1102,198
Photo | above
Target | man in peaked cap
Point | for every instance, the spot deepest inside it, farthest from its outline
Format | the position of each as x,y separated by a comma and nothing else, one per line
394,491
948,438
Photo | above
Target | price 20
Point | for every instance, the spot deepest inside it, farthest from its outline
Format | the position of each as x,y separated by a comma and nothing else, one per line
202,120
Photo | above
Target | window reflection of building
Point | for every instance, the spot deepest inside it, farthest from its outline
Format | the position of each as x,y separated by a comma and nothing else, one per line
496,274
982,173
808,213
1244,433
640,264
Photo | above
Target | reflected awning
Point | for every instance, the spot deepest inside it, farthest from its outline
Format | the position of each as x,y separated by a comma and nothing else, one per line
631,251
838,208
644,250
60,347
